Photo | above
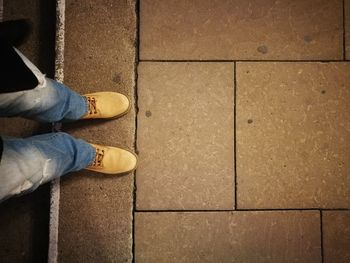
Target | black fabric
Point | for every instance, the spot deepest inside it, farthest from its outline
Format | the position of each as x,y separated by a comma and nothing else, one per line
15,31
14,74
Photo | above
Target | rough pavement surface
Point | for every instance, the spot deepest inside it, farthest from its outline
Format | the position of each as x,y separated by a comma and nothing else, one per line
95,223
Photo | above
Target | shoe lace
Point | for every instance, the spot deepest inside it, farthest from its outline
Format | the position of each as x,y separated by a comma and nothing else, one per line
98,158
92,105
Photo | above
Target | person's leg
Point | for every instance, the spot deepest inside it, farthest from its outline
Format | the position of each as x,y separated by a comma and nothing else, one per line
52,101
49,102
30,162
27,163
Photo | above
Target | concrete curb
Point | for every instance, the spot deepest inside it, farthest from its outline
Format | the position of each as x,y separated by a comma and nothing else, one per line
55,185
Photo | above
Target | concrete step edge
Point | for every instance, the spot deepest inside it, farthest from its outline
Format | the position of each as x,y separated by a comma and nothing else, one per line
55,185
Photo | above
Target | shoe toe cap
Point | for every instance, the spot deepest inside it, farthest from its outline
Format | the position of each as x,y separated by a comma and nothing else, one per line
119,104
122,160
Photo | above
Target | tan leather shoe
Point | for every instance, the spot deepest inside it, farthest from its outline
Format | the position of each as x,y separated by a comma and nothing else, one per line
106,105
112,160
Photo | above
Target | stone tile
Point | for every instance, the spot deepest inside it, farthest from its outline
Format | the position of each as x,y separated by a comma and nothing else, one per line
95,221
185,136
267,29
293,135
347,28
228,237
336,236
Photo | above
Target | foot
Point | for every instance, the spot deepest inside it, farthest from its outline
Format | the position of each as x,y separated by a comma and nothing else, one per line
106,105
112,160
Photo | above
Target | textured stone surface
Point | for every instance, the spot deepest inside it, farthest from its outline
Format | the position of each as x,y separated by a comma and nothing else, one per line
293,135
336,236
185,136
95,221
24,224
24,221
228,237
347,28
267,29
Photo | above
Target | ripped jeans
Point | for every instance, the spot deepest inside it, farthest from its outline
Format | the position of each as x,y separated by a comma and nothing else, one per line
29,162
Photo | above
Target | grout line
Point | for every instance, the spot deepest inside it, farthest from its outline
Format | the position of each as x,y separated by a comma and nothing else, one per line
235,148
321,234
55,185
334,209
235,133
244,60
239,210
344,32
137,56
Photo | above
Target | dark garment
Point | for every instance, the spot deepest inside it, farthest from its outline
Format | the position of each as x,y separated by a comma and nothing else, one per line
14,74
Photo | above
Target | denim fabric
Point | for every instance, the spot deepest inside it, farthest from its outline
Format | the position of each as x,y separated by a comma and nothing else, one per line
50,101
30,162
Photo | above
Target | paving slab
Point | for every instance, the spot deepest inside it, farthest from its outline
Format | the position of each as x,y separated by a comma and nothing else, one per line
24,221
347,28
292,236
245,30
336,236
185,136
293,135
95,222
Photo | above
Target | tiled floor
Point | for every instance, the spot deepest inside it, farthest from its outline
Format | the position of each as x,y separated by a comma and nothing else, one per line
185,133
243,131
241,30
336,236
226,236
293,135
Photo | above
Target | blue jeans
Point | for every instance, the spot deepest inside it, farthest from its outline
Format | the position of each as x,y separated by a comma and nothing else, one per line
29,162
